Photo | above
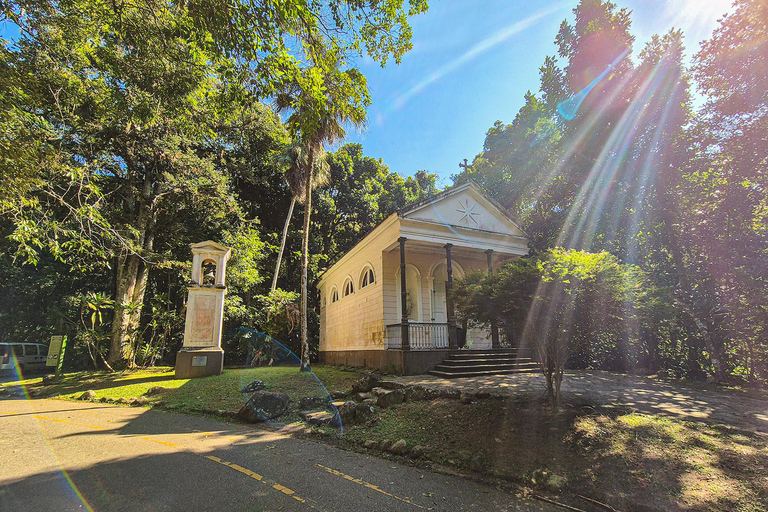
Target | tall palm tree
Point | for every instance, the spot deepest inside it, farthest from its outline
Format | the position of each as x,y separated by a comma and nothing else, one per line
322,99
295,159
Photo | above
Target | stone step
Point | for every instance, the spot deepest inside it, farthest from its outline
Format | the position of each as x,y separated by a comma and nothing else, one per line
317,417
458,375
485,360
487,355
483,367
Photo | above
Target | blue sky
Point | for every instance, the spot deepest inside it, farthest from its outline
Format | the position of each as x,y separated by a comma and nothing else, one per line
471,64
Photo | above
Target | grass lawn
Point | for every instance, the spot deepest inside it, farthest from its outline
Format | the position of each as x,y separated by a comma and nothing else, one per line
220,392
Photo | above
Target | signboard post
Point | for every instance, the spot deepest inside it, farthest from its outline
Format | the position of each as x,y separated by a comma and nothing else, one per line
56,353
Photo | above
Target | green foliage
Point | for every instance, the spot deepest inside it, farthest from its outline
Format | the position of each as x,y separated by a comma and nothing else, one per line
143,125
576,308
638,175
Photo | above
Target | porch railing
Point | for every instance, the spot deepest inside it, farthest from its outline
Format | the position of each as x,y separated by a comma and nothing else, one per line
422,336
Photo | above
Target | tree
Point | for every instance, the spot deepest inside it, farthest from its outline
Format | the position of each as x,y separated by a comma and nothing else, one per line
572,307
130,110
725,210
296,177
321,102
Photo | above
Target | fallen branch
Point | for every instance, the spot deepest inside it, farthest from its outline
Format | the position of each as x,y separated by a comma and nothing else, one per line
563,505
598,503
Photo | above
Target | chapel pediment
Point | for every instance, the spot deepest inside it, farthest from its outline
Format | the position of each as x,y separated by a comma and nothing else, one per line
464,206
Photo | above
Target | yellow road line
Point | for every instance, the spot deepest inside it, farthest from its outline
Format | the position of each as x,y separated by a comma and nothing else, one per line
367,485
69,422
285,490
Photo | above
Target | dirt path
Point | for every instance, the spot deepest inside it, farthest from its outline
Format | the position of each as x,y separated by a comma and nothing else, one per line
642,394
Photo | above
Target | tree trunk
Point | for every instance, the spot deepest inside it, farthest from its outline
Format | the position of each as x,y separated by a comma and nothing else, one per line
305,258
132,275
127,272
282,244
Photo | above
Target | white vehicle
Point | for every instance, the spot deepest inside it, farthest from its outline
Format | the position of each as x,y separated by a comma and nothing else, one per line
23,356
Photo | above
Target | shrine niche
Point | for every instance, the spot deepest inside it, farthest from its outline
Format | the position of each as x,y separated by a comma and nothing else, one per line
201,352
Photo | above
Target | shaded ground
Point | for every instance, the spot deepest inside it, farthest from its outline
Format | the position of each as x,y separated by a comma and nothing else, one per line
632,462
81,456
624,393
633,443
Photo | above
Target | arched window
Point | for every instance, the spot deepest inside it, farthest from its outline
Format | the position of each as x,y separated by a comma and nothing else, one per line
348,287
367,277
334,295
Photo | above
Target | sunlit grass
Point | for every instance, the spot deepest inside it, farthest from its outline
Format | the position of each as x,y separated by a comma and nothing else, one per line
220,392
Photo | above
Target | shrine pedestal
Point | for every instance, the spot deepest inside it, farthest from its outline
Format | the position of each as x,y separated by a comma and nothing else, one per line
199,362
201,353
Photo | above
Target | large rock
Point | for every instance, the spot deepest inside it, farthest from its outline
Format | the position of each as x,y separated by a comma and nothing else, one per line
317,417
364,412
264,405
415,394
88,395
417,451
253,386
156,390
399,448
366,383
390,398
346,413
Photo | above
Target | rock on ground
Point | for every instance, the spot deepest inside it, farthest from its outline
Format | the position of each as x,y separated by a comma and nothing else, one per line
317,417
254,385
417,451
364,412
390,398
366,383
88,395
347,412
264,405
399,448
156,390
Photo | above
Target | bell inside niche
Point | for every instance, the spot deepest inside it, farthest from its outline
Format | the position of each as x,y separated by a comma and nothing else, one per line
209,273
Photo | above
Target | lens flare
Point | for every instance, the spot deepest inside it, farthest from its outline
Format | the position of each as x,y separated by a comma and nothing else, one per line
265,350
570,107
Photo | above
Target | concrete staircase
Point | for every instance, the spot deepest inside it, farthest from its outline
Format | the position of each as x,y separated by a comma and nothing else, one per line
476,363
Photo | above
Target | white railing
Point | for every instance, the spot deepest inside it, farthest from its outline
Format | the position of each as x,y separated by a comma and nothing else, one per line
421,336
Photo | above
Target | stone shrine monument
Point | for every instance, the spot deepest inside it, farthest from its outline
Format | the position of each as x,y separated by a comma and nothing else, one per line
201,354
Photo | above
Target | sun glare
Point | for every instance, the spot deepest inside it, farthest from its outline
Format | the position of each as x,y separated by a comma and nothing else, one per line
699,16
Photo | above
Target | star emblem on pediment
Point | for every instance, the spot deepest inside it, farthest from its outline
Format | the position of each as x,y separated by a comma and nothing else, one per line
468,215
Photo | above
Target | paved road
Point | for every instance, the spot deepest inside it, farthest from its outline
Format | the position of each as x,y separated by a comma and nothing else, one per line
61,456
